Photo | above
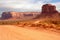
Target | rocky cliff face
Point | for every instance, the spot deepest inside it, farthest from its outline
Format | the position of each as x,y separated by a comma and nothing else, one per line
49,11
6,15
19,15
48,8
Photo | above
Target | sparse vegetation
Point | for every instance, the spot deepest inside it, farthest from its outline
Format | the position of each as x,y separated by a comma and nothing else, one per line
46,24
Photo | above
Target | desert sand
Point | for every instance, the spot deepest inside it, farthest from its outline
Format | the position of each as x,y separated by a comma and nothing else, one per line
11,32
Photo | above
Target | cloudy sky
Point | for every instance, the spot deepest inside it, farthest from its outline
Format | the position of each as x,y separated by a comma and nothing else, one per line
25,5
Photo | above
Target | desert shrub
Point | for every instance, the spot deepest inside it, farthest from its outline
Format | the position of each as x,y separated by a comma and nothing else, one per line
55,22
33,25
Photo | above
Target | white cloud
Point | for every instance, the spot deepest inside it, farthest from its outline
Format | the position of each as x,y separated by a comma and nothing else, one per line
26,4
23,4
57,4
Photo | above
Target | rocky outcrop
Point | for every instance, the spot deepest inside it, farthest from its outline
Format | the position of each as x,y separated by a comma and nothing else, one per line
6,15
48,11
48,8
19,15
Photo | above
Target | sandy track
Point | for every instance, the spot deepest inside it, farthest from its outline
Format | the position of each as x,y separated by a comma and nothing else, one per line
9,32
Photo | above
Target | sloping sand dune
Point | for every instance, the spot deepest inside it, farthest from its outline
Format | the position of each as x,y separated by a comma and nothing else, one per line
10,32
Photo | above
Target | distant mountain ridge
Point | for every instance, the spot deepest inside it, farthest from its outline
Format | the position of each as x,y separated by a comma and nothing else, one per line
48,11
19,15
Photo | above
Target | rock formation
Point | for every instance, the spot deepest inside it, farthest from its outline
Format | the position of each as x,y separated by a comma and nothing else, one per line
19,15
6,15
48,8
48,11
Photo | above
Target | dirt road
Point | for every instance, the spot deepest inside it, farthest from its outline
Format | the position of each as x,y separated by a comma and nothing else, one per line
10,32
